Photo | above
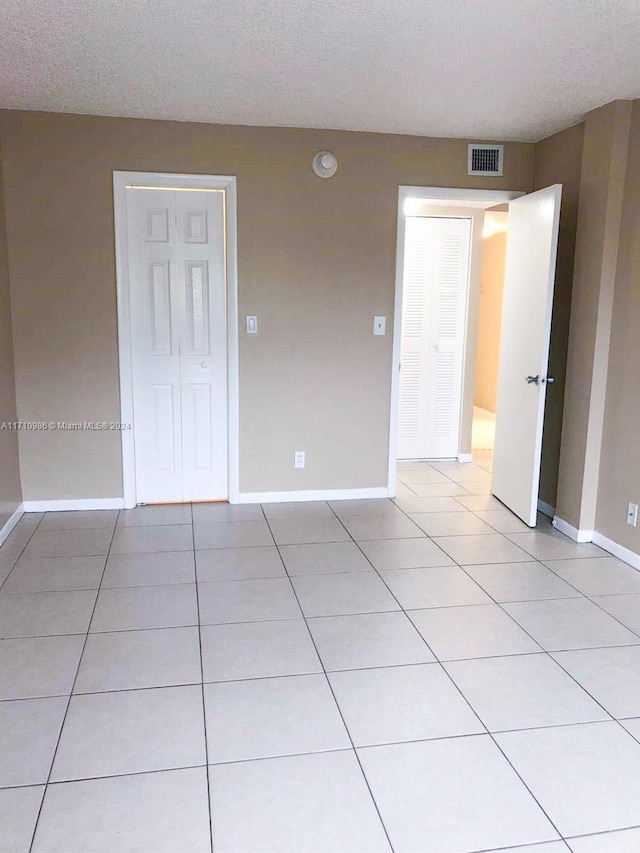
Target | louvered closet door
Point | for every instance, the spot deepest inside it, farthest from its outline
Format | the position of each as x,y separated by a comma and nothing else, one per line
178,343
436,274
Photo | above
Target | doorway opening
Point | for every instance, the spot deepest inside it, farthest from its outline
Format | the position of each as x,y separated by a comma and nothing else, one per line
492,264
449,314
177,336
471,335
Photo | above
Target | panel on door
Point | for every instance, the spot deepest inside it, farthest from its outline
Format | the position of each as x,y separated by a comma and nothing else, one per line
178,333
435,287
155,346
529,279
203,342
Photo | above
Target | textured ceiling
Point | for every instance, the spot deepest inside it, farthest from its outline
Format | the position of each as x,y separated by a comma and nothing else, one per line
488,69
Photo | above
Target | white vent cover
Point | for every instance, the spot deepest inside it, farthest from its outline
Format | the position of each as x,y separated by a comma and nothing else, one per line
485,159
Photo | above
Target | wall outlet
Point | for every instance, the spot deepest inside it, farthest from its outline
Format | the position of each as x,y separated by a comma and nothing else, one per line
298,459
632,514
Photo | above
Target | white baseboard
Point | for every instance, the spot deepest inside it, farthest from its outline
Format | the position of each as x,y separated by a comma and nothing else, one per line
312,495
11,522
465,457
617,550
81,503
571,531
546,509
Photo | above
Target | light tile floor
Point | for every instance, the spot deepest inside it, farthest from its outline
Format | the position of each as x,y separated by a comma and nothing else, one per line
424,675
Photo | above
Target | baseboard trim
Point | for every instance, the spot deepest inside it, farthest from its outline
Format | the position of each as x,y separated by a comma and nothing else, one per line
313,495
11,522
571,531
465,457
619,551
81,503
546,509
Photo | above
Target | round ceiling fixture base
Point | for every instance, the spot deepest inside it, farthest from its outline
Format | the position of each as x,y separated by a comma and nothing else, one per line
325,164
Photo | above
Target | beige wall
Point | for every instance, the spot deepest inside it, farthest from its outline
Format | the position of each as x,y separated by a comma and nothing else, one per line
602,182
620,458
316,262
494,250
558,160
10,491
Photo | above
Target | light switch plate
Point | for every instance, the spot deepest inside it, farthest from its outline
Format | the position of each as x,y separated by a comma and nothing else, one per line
252,324
379,325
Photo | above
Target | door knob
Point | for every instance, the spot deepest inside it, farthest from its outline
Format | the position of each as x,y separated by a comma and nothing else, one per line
204,365
533,380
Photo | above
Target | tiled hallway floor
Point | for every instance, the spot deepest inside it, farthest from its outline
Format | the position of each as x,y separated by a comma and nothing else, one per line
424,676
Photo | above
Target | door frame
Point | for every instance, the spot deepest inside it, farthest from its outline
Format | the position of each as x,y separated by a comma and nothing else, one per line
425,194
159,180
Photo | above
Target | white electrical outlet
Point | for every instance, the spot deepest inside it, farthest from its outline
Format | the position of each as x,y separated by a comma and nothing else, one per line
298,459
632,514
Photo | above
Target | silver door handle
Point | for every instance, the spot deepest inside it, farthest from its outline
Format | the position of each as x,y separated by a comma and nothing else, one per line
533,380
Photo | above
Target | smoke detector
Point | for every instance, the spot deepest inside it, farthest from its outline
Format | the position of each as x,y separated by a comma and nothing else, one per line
325,164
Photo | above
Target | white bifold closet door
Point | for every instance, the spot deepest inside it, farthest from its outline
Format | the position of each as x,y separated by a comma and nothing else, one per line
178,342
435,286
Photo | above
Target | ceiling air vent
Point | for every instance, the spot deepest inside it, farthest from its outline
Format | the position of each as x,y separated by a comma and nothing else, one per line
485,159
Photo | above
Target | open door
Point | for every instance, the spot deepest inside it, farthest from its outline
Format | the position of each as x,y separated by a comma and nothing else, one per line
524,349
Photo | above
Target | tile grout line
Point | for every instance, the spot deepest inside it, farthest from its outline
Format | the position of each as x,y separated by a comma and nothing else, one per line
204,709
472,709
602,833
525,848
591,597
330,686
550,653
36,526
349,749
544,651
64,718
538,562
402,610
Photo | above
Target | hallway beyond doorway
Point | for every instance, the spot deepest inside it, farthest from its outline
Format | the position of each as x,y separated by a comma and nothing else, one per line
484,429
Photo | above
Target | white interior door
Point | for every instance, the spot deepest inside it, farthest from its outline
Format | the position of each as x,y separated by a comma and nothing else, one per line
524,349
435,287
178,343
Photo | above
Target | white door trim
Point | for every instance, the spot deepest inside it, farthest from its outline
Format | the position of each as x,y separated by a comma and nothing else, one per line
121,180
425,194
